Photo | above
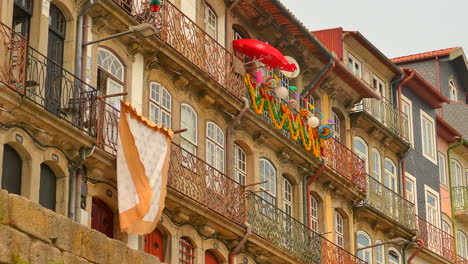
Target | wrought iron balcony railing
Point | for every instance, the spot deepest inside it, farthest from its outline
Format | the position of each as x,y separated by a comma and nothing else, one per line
44,82
460,198
190,40
387,114
461,260
436,240
342,160
287,233
389,203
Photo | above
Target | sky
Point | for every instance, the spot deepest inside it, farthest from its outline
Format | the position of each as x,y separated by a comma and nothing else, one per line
395,27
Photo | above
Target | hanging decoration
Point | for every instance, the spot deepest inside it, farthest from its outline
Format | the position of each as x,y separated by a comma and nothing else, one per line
325,131
155,5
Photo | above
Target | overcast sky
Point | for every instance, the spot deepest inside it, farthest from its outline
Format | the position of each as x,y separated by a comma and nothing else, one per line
396,27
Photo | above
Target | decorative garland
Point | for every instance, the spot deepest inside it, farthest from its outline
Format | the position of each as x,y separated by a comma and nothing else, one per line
283,118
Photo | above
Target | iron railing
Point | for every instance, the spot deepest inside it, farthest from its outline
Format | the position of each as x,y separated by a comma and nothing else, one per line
436,239
13,47
460,198
202,183
387,114
461,260
389,203
107,124
190,40
287,233
342,160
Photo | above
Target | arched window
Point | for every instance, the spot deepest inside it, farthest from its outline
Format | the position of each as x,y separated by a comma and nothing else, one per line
462,244
102,218
379,252
457,173
240,165
186,251
215,146
394,256
160,105
364,240
338,127
22,13
360,148
446,227
376,165
314,214
154,244
189,120
11,170
287,196
391,180
339,229
211,22
268,174
453,90
47,187
110,79
211,258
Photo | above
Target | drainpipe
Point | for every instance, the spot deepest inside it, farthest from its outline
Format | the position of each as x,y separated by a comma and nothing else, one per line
79,38
228,26
309,182
241,243
421,246
229,138
454,229
317,81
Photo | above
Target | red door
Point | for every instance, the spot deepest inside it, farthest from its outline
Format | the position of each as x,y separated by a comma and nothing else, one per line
154,244
210,258
102,218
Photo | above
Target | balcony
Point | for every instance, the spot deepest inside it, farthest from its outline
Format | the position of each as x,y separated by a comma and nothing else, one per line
461,260
189,40
344,162
279,228
386,114
460,199
45,83
436,240
389,203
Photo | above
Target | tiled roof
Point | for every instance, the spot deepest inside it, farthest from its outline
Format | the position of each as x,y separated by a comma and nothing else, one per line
425,55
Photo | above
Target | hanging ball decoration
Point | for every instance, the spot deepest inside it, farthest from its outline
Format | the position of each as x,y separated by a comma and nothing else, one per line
313,121
281,92
271,82
155,5
325,131
292,104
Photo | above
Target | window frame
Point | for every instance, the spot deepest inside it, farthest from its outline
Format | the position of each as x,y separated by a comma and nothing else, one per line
397,253
186,243
405,100
377,252
363,156
442,161
415,195
430,156
394,176
209,11
355,62
453,95
445,226
457,179
314,217
337,127
374,150
339,235
429,190
240,175
159,104
288,203
266,191
364,251
184,136
217,146
378,81
461,237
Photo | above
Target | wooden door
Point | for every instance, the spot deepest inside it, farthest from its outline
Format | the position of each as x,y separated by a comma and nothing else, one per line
102,218
47,187
154,244
11,170
210,258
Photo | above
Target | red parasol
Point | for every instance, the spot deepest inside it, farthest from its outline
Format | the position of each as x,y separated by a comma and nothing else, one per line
264,52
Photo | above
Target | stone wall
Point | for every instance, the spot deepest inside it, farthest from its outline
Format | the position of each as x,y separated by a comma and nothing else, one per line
31,234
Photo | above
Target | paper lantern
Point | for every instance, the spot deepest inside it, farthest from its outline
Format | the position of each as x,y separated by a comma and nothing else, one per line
313,121
282,92
292,103
155,5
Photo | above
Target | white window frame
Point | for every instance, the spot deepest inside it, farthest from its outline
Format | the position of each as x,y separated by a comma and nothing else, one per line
379,81
185,139
159,103
352,60
453,95
337,126
240,165
287,196
379,250
405,100
236,35
462,244
415,194
362,253
457,178
314,214
339,229
215,143
268,192
429,190
430,156
376,169
397,252
446,227
390,175
442,161
209,26
364,156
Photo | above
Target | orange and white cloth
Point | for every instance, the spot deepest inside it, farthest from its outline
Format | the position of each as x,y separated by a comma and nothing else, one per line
143,150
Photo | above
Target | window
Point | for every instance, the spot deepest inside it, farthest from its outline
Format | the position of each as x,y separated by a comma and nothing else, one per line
376,165
354,65
442,169
268,174
189,121
47,187
453,90
11,170
339,229
287,196
446,227
360,148
186,251
411,190
394,256
390,175
314,214
160,105
240,165
379,86
215,146
22,13
236,35
407,109
428,137
432,206
211,22
462,244
110,76
379,252
363,240
457,175
337,127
